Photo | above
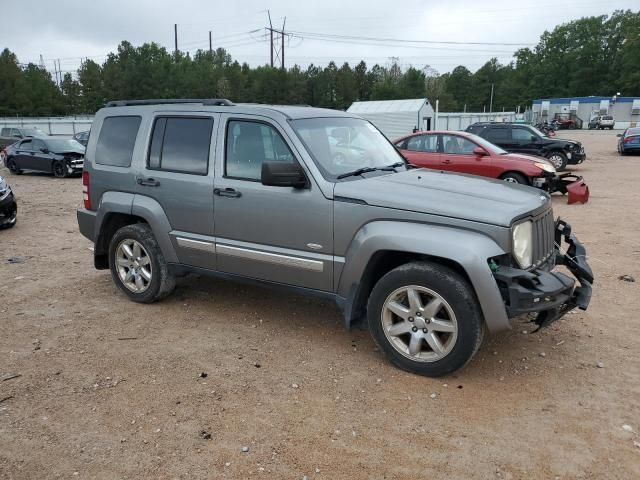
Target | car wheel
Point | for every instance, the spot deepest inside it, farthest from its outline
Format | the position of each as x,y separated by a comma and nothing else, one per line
558,160
514,177
59,169
13,167
11,222
137,265
425,318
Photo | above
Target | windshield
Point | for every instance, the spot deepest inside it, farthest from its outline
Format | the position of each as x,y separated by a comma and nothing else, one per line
487,145
65,145
33,132
342,145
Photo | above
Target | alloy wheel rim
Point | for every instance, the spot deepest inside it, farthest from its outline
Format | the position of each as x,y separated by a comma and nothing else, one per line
419,323
58,170
510,180
556,160
133,265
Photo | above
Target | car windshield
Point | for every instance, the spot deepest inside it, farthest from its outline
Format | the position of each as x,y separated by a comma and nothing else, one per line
33,132
486,144
64,145
342,145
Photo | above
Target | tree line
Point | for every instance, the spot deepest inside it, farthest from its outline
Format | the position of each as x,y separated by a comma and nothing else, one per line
597,55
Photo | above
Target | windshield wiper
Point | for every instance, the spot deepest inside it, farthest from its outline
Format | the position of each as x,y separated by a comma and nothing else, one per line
360,171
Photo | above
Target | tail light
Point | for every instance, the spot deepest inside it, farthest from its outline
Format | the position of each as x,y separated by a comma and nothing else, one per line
627,139
85,190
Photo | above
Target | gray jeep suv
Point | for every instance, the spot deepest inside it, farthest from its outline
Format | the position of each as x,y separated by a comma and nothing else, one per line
319,201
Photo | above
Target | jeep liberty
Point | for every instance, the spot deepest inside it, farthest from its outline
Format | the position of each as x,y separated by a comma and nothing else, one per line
319,201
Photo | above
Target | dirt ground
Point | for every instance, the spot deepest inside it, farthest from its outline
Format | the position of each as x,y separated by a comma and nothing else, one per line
112,389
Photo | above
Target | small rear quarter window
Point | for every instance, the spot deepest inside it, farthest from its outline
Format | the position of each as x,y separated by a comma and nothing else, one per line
116,140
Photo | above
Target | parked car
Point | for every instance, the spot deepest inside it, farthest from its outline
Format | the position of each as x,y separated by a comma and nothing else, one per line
432,259
9,135
8,205
82,138
629,141
518,138
60,156
601,122
465,152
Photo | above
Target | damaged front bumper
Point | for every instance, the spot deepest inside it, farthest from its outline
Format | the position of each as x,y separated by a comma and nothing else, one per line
573,186
547,293
8,208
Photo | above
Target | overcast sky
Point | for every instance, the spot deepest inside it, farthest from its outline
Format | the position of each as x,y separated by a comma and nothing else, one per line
71,29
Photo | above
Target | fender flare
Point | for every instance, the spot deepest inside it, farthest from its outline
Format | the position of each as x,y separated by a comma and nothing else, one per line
468,249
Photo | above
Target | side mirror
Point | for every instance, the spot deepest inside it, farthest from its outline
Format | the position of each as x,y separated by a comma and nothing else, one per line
44,150
534,138
619,135
283,174
480,152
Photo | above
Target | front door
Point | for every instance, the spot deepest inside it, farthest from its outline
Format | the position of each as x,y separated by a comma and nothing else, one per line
280,234
24,155
458,156
176,175
522,141
39,160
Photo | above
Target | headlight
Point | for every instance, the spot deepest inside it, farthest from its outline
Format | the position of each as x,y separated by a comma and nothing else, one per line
522,243
4,188
547,167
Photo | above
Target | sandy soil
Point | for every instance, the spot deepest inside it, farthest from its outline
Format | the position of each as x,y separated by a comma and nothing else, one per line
111,389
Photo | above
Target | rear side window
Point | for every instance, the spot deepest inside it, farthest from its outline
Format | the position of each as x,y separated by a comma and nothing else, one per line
181,144
116,141
6,132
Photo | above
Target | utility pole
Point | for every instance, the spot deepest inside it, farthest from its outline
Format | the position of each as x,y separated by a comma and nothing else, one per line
175,37
271,32
210,44
282,51
491,101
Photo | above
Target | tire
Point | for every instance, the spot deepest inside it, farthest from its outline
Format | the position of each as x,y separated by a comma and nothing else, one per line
459,313
59,169
515,177
161,282
558,160
13,167
11,223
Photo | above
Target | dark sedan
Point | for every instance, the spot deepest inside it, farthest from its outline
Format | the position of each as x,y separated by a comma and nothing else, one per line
60,156
8,206
629,141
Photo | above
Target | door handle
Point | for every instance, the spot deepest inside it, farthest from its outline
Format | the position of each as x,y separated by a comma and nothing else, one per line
148,182
446,161
227,192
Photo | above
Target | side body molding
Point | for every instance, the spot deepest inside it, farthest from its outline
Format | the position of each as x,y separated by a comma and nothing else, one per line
153,213
467,248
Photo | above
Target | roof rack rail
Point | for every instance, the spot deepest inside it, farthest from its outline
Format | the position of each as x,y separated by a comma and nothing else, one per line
167,101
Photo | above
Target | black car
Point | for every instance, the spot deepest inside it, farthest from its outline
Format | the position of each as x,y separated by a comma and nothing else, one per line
8,206
521,138
60,156
629,141
82,137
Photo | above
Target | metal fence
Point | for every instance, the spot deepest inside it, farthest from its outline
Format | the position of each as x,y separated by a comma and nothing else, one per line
460,121
51,125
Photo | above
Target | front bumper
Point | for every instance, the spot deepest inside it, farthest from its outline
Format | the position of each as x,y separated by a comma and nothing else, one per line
575,157
549,294
566,183
8,210
75,167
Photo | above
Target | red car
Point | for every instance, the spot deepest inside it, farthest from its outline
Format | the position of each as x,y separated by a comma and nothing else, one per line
467,153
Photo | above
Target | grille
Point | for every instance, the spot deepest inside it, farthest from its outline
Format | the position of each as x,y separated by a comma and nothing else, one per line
543,237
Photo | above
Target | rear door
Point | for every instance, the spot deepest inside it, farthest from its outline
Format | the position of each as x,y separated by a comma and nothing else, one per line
178,174
24,154
422,151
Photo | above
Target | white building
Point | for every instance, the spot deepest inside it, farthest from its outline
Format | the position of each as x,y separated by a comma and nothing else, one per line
396,118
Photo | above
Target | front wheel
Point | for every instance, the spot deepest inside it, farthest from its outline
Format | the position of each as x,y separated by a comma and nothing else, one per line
59,169
137,265
515,177
558,160
425,318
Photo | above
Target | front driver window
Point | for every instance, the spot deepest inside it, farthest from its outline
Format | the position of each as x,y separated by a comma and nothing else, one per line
457,145
521,135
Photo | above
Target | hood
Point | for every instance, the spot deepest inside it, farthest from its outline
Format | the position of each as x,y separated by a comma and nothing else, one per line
448,194
525,158
561,141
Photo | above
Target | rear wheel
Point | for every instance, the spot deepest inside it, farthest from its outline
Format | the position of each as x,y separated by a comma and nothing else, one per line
13,167
515,177
59,169
425,318
137,265
558,160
